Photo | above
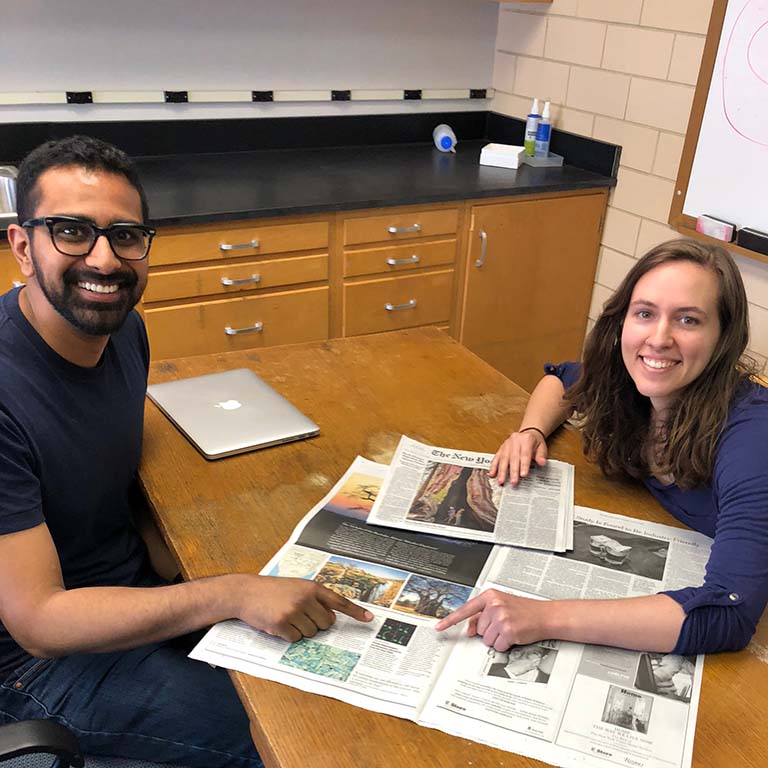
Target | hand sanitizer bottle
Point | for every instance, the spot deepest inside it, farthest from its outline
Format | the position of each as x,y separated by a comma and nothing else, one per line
543,133
531,124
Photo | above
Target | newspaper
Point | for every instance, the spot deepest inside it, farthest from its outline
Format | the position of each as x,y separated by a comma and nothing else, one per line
565,703
446,491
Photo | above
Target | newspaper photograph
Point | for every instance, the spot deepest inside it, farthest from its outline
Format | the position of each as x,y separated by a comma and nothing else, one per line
447,491
612,556
568,704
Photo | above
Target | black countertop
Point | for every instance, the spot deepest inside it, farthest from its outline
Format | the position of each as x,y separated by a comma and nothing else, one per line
189,189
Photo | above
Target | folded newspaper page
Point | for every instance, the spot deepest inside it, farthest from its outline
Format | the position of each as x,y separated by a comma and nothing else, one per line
565,703
572,704
409,581
447,491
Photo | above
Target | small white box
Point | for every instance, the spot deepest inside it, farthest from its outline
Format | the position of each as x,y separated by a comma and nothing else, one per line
502,155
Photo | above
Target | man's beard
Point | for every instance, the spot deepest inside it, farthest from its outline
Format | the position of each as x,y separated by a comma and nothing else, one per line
93,318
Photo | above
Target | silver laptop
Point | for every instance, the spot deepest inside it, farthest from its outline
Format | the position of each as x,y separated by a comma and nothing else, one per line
222,414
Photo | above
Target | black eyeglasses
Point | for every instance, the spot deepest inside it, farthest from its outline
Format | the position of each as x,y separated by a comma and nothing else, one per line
77,237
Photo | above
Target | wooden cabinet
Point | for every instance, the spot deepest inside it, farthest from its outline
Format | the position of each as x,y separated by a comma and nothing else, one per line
239,323
394,303
529,271
397,268
10,274
214,288
237,286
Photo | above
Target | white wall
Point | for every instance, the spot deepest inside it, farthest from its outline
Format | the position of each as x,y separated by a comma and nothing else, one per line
242,44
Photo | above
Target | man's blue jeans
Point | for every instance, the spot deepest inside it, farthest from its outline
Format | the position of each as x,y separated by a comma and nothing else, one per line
151,703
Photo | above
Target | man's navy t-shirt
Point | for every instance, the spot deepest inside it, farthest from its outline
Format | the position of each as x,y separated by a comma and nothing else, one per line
70,442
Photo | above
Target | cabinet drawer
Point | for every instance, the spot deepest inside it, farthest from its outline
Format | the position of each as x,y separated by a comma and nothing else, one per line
209,281
233,241
10,274
399,258
413,300
400,226
196,329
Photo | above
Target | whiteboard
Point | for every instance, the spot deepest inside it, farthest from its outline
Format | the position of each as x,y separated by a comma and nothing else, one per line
729,173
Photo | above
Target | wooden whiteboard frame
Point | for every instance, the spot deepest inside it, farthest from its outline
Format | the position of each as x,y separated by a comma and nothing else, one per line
682,222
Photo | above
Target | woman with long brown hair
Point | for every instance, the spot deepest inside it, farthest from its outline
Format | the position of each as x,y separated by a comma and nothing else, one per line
665,394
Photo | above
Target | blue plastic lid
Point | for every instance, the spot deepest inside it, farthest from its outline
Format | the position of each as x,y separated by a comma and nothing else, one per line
446,142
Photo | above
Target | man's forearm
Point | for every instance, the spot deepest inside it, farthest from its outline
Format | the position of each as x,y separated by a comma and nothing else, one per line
96,619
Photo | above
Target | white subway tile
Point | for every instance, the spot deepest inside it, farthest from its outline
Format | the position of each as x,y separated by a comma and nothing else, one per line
613,267
545,79
754,273
504,70
651,234
521,33
572,120
647,196
509,104
660,104
575,41
600,294
621,230
638,143
686,59
684,15
638,51
668,154
625,11
593,90
758,329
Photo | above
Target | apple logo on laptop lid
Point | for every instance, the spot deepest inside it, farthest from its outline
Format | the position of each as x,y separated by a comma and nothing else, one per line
229,405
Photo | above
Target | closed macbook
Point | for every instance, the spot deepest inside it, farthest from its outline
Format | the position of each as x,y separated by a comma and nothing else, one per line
226,413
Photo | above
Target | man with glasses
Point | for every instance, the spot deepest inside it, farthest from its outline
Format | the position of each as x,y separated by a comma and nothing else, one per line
91,635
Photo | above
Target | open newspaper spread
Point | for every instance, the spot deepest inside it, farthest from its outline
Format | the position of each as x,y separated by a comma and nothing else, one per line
448,492
565,703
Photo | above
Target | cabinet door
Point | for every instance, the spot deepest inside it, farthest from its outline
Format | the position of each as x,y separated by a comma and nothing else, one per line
10,274
529,282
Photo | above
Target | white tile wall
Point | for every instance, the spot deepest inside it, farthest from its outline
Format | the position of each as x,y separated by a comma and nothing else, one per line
626,11
575,40
686,57
638,142
521,33
621,230
668,152
637,93
612,268
595,90
626,50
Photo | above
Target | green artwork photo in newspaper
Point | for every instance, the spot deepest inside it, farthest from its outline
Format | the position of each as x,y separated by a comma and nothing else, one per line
320,659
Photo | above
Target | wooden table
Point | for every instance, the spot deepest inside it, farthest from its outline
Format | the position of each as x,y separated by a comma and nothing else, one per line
364,392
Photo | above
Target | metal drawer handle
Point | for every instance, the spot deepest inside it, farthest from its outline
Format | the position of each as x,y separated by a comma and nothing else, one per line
241,280
395,307
251,329
483,247
413,259
401,230
238,246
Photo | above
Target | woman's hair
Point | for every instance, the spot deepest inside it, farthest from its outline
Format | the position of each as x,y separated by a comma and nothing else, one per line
615,417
